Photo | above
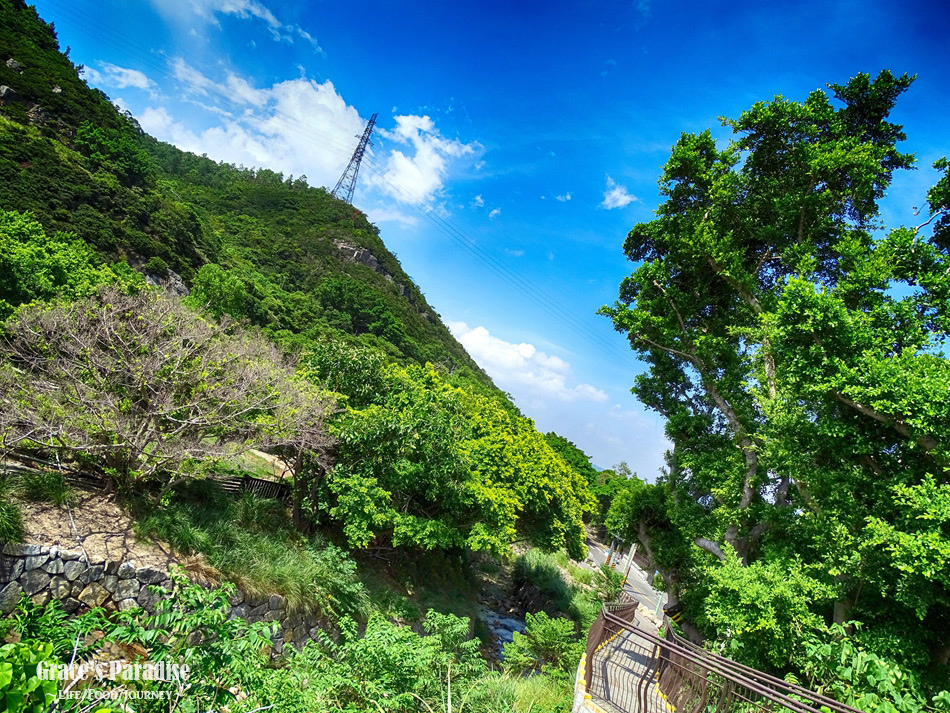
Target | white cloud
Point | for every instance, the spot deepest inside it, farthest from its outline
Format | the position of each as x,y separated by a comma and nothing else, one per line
116,77
521,368
193,80
187,12
564,199
478,202
388,214
304,127
514,253
495,213
419,177
296,126
616,196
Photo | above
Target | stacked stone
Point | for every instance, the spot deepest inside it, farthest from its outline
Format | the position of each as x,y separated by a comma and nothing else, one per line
294,628
45,573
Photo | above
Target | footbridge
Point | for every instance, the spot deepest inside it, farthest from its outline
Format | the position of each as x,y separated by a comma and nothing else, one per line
631,667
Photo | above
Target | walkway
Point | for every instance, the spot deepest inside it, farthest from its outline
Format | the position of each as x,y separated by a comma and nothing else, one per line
630,667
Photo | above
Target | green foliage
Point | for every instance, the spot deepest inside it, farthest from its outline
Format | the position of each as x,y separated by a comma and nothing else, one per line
220,292
56,629
795,348
192,613
252,541
541,570
47,486
763,610
115,152
573,456
547,645
158,394
845,671
11,519
354,307
609,583
390,668
21,689
423,463
157,266
527,694
34,266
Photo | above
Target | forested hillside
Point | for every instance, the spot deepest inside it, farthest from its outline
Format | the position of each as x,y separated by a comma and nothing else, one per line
254,244
165,323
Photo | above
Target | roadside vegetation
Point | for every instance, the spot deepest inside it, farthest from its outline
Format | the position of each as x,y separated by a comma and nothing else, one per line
797,348
406,469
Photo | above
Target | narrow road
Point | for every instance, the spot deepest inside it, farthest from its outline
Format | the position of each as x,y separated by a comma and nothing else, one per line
639,583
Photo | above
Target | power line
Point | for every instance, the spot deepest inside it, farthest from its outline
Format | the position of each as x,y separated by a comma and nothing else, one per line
205,86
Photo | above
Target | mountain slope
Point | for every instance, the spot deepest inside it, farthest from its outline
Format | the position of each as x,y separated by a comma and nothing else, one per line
285,256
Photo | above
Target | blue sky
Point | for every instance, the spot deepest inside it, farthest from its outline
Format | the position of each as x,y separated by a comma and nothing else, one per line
517,142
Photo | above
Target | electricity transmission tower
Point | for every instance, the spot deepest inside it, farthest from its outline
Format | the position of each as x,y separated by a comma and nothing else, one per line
347,181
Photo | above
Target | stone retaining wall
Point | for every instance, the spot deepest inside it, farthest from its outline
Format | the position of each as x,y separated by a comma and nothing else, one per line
44,573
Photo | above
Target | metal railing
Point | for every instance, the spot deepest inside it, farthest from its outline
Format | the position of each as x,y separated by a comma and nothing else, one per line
630,669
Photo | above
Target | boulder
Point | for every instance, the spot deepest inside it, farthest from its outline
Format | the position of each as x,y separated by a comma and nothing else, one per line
72,570
60,587
126,604
70,605
10,596
35,561
147,598
150,575
12,567
8,93
93,595
255,600
41,598
126,570
93,574
14,65
34,581
69,556
54,566
127,589
21,549
276,601
110,581
256,614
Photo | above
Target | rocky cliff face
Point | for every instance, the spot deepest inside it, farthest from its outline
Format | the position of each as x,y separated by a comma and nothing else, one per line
354,253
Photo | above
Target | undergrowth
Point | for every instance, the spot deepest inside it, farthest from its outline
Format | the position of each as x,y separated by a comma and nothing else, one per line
252,542
578,597
47,486
11,520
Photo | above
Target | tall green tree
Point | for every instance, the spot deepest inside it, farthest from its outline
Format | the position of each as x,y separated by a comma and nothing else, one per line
795,349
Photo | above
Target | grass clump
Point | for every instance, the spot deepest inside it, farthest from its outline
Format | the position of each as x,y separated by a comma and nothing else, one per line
45,486
527,694
573,590
541,570
11,520
252,542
